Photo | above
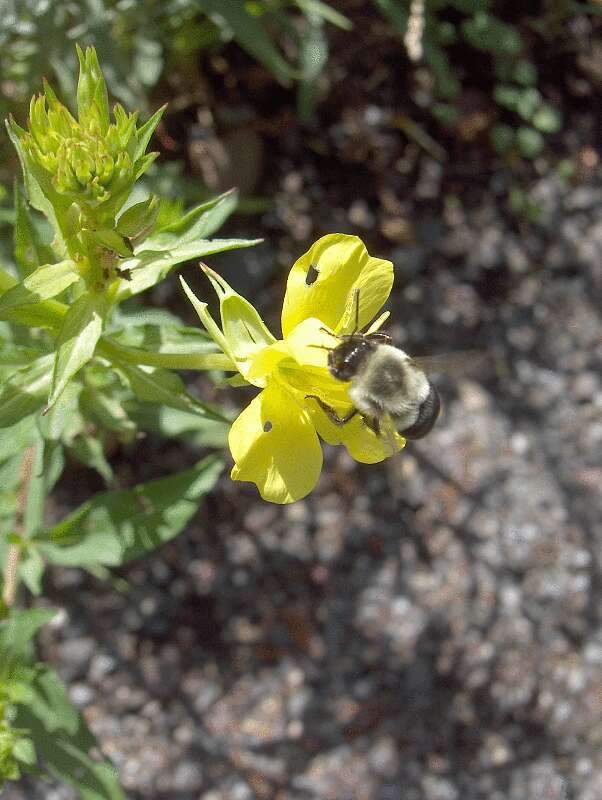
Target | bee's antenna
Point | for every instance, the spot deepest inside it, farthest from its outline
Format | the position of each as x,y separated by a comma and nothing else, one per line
330,333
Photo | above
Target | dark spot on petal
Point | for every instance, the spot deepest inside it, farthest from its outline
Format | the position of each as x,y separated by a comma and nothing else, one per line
267,426
312,275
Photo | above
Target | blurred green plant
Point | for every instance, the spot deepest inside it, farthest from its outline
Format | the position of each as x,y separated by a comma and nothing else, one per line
446,33
142,42
80,373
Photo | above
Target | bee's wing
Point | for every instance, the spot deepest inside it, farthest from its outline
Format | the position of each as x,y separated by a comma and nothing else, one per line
458,363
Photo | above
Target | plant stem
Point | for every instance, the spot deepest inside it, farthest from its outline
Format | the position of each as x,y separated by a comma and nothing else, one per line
11,568
135,355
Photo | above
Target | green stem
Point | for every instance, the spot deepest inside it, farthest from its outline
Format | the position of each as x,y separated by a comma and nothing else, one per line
132,355
13,556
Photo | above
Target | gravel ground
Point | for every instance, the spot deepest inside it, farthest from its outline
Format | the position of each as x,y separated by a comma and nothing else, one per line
426,629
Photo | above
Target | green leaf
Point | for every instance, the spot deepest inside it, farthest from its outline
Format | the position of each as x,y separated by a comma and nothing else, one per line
198,223
31,570
63,742
36,493
35,195
502,138
448,85
149,268
525,72
25,752
250,35
313,58
144,133
155,385
16,634
116,527
89,450
50,703
107,411
92,96
547,119
77,340
17,438
139,219
529,101
326,12
63,420
486,32
25,392
530,142
44,283
395,13
30,251
175,423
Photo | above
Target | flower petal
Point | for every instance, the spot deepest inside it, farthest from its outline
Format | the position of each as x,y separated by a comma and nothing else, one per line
275,445
306,347
361,442
342,265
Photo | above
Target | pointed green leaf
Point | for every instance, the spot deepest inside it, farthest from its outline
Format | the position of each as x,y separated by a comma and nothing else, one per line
77,340
174,423
16,634
250,34
92,97
25,392
44,283
35,195
25,752
18,437
30,251
155,385
198,223
144,132
89,450
149,268
31,570
323,10
107,411
50,703
116,527
63,742
138,220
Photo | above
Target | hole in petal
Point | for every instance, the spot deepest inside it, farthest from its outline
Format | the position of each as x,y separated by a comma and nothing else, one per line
312,275
267,426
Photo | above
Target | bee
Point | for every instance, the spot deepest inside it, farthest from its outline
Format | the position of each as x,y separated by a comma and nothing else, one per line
389,389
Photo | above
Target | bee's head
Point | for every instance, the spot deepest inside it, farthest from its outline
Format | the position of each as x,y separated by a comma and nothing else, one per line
345,360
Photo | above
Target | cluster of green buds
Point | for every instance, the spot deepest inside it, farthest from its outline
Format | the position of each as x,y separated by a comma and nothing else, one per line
86,168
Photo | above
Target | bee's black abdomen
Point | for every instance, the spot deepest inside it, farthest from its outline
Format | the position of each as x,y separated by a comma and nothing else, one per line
427,416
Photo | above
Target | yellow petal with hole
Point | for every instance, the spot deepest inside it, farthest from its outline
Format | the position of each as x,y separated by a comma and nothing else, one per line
275,446
323,281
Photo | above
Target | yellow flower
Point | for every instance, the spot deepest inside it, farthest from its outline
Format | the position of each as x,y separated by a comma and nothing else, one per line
274,441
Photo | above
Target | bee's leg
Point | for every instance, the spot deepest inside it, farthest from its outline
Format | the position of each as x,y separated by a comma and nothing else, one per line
373,424
330,411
